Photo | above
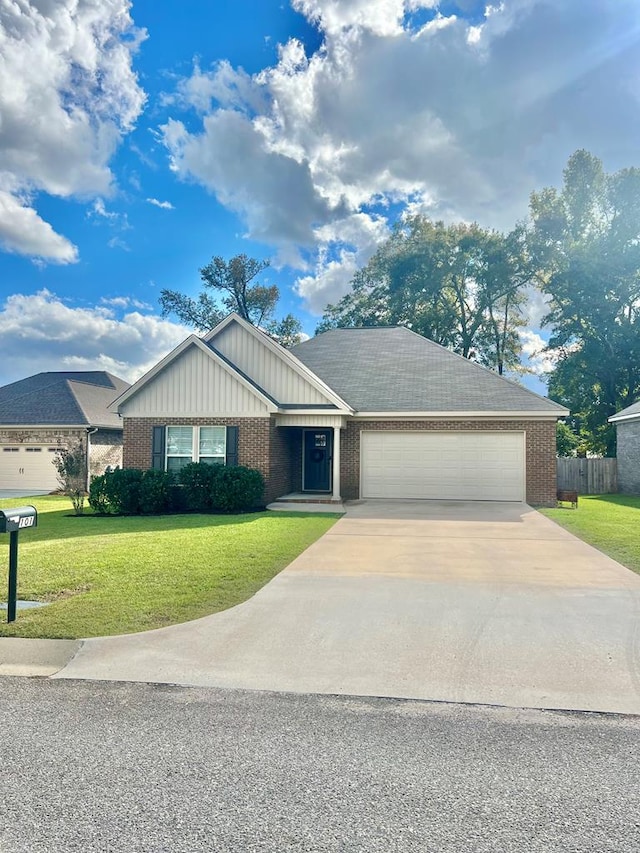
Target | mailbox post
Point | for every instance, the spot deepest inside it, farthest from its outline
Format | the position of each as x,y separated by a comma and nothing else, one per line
12,521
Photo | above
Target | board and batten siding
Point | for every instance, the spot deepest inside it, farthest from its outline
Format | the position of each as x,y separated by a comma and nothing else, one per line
269,371
193,385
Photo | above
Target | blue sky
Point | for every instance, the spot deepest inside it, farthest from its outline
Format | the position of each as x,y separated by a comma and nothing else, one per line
137,140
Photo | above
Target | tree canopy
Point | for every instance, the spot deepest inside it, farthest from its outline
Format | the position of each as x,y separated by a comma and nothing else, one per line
228,287
459,285
584,242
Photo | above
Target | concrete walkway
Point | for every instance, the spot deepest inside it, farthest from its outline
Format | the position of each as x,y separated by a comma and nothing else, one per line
463,602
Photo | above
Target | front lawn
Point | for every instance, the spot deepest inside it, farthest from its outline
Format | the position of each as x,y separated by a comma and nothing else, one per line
610,523
115,575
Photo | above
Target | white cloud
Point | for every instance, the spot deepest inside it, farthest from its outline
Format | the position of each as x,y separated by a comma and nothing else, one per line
67,96
40,332
344,247
124,302
461,120
536,358
24,232
165,205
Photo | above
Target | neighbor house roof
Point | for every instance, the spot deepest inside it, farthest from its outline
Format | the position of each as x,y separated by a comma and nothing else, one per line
74,398
396,370
631,413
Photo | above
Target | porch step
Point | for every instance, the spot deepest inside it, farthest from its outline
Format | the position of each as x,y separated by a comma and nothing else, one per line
296,500
306,506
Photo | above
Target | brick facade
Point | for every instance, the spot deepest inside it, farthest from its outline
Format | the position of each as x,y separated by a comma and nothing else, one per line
260,446
277,451
540,451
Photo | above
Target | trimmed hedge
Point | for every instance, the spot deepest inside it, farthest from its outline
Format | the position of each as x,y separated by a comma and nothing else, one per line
201,488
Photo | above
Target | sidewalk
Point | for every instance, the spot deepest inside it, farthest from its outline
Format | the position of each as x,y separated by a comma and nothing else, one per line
35,657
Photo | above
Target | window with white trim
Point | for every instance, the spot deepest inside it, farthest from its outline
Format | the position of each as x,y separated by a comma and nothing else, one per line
187,444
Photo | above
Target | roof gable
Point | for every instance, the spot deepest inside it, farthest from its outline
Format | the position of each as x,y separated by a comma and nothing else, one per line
275,369
193,379
395,370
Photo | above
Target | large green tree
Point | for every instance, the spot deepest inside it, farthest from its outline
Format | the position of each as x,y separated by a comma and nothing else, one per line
459,285
230,286
585,243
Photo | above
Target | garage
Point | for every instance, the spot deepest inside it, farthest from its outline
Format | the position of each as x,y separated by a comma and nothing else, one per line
28,467
476,466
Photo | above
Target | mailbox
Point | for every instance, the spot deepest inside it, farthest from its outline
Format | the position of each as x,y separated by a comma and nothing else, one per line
12,521
18,518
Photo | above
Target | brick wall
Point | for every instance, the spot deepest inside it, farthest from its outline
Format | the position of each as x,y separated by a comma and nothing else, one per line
628,453
254,441
282,466
540,451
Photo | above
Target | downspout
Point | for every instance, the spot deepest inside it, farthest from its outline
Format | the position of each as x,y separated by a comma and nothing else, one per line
90,432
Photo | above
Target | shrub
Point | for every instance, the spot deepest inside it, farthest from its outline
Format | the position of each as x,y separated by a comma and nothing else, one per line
123,491
236,489
205,488
98,495
154,494
197,480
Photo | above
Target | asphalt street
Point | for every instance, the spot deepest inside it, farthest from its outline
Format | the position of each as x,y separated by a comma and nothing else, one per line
100,766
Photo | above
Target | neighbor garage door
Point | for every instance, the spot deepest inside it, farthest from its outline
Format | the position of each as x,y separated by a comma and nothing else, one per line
482,466
31,467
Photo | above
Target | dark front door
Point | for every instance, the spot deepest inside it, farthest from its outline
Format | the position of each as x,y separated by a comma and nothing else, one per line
317,460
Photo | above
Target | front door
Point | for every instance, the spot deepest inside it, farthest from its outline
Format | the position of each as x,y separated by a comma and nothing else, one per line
316,475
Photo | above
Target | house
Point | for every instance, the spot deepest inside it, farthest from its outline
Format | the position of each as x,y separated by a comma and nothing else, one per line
45,412
351,413
627,424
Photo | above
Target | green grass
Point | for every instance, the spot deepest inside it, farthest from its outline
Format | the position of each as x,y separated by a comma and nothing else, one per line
610,523
107,575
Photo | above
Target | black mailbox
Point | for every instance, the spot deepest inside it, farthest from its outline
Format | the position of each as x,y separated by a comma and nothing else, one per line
18,518
12,521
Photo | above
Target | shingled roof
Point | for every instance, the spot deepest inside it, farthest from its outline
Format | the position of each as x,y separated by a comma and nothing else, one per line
632,412
74,398
396,370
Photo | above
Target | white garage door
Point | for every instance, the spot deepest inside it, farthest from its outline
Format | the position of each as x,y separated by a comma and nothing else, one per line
30,467
482,466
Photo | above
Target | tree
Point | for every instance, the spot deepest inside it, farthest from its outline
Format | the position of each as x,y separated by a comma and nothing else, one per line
567,441
228,288
71,465
585,244
459,285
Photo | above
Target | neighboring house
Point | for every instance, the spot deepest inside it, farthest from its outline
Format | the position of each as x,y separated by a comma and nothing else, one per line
370,413
45,412
627,424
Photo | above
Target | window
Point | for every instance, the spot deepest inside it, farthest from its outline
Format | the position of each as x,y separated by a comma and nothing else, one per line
187,444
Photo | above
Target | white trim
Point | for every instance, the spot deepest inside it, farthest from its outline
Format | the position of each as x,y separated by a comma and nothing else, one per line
316,413
302,420
199,415
195,455
519,432
284,354
55,427
335,465
192,340
634,416
460,415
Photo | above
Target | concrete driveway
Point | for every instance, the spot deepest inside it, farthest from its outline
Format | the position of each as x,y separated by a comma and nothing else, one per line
462,602
22,493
